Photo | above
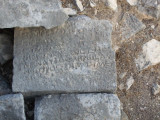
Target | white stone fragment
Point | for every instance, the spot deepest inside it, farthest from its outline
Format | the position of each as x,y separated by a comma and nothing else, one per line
112,4
132,2
129,83
79,5
156,89
92,3
149,56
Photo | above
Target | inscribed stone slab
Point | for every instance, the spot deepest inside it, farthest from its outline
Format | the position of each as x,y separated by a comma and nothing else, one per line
74,57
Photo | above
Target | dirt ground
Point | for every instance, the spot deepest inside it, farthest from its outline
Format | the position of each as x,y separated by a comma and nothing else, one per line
138,102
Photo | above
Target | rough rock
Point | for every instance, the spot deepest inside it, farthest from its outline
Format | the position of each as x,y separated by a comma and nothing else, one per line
150,55
22,13
6,48
4,86
70,11
131,26
156,89
74,57
78,107
12,107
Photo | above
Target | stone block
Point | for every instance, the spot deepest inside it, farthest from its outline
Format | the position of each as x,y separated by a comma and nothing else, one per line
31,13
74,57
78,107
12,107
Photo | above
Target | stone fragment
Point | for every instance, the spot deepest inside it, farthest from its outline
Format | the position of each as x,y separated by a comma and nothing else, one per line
12,107
131,26
29,13
74,57
6,48
156,89
4,87
79,5
78,107
149,56
149,7
129,83
92,3
112,4
132,2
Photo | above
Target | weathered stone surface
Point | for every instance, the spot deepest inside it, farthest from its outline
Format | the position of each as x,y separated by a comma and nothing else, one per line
149,56
111,4
147,7
22,13
131,26
78,107
6,48
75,57
4,87
12,107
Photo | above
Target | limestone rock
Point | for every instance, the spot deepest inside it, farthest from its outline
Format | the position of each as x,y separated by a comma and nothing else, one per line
22,13
78,107
12,107
74,57
6,48
150,55
4,87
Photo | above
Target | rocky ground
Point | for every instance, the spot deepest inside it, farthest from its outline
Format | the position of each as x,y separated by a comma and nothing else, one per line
136,40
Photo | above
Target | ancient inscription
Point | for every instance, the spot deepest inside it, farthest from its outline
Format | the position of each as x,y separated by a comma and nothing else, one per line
65,58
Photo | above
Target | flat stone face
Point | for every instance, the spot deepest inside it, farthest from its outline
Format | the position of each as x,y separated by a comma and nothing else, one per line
78,107
4,86
75,57
12,107
31,13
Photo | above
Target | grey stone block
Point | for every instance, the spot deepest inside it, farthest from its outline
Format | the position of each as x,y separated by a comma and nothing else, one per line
12,107
6,48
78,107
4,87
74,57
31,13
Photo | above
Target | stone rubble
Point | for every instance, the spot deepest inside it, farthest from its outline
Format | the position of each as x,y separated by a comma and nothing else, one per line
79,5
12,107
78,107
156,88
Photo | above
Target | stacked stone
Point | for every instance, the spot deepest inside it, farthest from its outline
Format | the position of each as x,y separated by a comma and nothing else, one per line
71,64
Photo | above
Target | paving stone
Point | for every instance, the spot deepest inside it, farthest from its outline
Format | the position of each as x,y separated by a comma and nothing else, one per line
149,56
6,48
78,107
12,107
4,86
22,13
74,57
